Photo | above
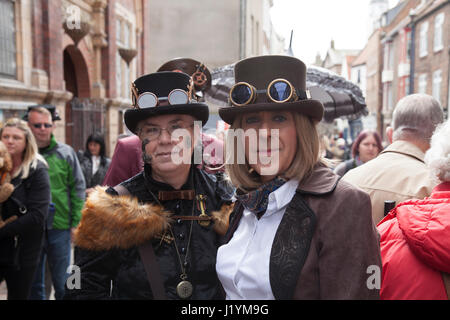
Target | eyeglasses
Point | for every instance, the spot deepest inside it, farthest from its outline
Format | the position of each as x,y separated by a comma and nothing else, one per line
150,100
153,132
39,125
278,91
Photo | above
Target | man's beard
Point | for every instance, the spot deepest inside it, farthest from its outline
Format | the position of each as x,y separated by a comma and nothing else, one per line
146,157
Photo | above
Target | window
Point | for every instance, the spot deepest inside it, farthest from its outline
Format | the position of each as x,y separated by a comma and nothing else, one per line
437,80
127,82
257,38
408,45
118,74
388,102
438,27
388,56
423,49
422,83
118,32
252,25
7,39
126,35
407,92
124,39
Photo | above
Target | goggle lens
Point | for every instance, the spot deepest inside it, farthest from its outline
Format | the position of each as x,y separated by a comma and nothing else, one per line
280,91
241,94
178,96
147,100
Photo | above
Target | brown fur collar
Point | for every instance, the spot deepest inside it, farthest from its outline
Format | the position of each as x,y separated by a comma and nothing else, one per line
122,222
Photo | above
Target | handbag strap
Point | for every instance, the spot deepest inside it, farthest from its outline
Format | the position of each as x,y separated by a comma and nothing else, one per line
148,258
446,278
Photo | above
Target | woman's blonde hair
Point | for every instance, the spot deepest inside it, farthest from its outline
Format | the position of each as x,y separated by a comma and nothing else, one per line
30,155
306,157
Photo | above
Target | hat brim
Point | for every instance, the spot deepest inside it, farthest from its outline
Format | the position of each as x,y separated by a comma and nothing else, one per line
310,108
199,111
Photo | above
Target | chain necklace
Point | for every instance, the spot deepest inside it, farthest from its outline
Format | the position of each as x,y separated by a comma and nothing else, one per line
184,288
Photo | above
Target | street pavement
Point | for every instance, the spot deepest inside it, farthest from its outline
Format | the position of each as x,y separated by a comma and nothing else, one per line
4,292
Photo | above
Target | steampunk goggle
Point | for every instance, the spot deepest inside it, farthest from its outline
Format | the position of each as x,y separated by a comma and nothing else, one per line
278,91
150,100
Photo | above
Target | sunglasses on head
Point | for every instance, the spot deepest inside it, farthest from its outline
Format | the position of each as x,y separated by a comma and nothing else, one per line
39,125
150,100
278,91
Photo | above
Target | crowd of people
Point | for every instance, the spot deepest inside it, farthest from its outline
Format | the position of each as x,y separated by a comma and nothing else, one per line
45,207
269,219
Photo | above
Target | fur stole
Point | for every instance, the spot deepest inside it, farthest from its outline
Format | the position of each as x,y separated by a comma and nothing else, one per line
122,222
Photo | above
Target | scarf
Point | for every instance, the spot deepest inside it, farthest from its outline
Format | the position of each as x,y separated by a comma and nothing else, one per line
256,201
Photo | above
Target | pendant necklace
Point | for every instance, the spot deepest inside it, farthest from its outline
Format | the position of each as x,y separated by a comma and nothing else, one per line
184,288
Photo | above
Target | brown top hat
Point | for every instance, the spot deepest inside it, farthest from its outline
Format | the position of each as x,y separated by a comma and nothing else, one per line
197,70
259,72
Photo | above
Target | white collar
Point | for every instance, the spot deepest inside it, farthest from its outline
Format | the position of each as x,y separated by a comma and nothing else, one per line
283,195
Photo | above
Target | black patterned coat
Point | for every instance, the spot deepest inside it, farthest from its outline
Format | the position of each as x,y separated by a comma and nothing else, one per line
93,180
112,227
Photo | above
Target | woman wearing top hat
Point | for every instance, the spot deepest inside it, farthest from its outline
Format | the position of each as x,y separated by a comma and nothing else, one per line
153,236
297,231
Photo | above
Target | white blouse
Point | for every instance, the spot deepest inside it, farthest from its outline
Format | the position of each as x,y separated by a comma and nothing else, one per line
95,163
243,263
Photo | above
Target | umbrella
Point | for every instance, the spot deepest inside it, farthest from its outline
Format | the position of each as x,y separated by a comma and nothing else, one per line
341,98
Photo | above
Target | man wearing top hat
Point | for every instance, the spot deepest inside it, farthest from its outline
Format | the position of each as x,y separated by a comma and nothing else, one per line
155,236
127,158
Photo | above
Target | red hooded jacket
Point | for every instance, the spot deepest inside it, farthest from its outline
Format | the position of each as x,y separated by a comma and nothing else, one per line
415,247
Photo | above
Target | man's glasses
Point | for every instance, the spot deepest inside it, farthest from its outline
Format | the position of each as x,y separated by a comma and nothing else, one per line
39,125
153,132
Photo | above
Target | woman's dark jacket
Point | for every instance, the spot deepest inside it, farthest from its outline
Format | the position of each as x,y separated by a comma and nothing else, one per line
93,180
33,193
117,272
326,246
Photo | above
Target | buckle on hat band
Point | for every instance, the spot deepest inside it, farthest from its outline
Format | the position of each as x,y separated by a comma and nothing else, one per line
278,91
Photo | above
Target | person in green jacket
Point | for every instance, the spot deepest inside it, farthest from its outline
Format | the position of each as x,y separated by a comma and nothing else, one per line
68,193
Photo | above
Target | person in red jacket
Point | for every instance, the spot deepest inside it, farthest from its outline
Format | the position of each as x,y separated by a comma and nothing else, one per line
415,235
126,161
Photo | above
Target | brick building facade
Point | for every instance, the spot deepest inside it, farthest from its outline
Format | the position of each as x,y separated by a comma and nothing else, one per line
408,53
432,55
78,55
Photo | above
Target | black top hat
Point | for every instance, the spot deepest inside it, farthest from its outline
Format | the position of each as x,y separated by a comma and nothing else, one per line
49,107
161,84
260,72
197,70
